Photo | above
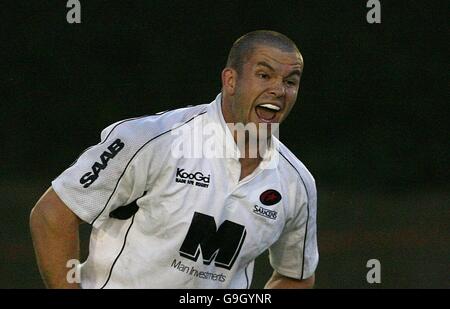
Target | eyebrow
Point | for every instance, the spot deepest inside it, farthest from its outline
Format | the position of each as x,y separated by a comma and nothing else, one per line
265,64
295,72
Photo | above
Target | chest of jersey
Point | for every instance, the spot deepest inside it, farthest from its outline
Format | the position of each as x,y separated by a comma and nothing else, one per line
207,216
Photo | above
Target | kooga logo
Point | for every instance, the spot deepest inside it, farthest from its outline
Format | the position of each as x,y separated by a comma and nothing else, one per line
87,179
195,179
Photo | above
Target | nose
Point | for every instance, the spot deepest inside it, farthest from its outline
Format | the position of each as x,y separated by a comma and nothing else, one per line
278,89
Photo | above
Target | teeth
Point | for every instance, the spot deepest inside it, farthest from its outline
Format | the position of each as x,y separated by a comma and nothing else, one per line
270,106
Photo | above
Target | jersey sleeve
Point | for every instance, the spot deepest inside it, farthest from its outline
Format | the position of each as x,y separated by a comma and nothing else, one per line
106,176
295,253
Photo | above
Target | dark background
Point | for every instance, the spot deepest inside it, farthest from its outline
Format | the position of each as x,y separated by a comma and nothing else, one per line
371,121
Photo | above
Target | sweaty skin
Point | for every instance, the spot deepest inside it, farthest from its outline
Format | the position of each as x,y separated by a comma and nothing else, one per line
270,76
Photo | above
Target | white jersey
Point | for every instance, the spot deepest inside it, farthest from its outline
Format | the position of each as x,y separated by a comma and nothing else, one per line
164,221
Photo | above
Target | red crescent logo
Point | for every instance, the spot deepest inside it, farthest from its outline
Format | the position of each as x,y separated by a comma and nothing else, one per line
270,197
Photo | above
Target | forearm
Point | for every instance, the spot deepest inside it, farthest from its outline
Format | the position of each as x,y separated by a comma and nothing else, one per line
278,281
55,242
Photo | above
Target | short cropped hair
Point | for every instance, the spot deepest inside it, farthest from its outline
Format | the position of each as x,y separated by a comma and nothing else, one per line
243,47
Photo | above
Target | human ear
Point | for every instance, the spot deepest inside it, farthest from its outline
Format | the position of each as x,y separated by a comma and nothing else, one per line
229,76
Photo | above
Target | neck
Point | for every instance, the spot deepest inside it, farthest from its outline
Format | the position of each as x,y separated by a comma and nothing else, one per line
250,160
251,157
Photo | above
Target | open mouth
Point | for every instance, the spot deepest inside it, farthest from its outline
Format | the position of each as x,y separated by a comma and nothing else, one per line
267,112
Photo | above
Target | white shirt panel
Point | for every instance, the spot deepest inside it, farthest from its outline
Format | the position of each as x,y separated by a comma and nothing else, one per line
295,253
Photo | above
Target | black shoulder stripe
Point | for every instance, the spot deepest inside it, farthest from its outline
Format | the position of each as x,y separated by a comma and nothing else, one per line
106,138
307,212
134,155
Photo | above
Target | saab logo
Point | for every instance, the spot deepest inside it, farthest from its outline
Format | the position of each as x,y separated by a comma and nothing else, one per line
221,245
194,179
270,197
89,178
271,214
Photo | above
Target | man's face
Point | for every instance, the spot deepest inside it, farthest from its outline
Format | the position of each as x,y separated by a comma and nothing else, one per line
267,87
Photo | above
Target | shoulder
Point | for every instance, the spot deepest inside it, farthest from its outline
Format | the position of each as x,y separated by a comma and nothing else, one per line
129,141
295,169
145,128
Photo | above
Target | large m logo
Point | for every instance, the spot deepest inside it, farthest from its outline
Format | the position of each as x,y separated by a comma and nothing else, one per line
221,245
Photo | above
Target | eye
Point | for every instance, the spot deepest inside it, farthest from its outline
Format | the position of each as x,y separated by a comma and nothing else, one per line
291,83
263,75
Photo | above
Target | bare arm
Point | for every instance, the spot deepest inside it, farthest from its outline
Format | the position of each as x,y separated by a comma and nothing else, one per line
54,229
278,281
